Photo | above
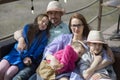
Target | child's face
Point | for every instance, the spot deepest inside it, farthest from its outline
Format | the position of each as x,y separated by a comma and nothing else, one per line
79,51
43,23
95,48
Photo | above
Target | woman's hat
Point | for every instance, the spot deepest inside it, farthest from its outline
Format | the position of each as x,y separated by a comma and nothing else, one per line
55,6
95,37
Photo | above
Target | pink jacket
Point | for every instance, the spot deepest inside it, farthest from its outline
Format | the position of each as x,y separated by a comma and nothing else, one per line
68,57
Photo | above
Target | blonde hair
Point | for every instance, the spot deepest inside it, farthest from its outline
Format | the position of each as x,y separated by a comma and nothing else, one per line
78,46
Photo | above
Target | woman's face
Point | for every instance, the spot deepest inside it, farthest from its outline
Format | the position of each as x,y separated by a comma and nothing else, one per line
77,27
95,48
43,23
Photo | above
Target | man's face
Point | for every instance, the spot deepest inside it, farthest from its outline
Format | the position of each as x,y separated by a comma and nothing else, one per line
95,48
55,17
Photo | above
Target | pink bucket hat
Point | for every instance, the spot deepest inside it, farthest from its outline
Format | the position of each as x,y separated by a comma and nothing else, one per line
95,37
55,6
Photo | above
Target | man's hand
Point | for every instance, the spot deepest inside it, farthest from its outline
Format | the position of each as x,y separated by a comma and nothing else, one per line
27,61
21,44
17,34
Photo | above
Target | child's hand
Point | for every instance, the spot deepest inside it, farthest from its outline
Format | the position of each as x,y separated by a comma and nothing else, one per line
97,58
54,63
59,66
27,61
21,44
88,73
96,76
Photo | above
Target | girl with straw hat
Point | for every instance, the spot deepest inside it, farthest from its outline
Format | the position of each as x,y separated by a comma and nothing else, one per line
94,57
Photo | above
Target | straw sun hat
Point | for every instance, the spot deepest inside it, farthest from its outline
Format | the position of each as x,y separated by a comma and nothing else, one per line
95,37
55,6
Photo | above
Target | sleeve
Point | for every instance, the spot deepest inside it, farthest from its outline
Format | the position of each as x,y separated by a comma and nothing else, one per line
54,46
69,56
25,31
40,49
105,56
84,63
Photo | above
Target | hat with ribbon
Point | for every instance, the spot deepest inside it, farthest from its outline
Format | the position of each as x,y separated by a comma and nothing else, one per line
95,37
55,6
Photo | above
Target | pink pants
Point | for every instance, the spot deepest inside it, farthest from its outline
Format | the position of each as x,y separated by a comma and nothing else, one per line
7,71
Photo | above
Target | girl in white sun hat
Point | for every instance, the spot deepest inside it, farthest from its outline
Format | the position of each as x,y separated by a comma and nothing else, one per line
94,57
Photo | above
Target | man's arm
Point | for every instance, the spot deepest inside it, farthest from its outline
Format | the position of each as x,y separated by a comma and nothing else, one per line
21,42
17,34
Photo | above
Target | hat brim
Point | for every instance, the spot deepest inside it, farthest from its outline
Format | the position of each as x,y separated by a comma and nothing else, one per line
97,42
56,9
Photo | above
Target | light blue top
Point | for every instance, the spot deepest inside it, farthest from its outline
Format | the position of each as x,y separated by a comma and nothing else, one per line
62,28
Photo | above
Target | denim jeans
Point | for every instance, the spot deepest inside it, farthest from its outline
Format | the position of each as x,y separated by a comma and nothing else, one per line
25,73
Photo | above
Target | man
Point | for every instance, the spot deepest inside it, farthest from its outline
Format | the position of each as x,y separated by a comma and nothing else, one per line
55,13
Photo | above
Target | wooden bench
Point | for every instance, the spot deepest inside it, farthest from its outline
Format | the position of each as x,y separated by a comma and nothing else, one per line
6,45
116,65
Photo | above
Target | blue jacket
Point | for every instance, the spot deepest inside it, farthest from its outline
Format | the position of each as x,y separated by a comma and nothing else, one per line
15,57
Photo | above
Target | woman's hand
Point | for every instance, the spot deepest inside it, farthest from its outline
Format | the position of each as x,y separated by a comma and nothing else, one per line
27,61
21,44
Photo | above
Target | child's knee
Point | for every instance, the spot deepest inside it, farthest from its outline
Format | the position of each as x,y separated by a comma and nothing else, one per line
10,73
8,76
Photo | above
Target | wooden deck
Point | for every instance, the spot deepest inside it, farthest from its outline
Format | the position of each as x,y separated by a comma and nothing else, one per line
115,43
115,46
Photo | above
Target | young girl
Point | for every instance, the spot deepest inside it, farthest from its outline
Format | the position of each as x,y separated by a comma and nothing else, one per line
91,60
34,41
66,57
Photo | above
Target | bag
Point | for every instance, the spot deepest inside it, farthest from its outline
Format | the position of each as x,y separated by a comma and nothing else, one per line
45,71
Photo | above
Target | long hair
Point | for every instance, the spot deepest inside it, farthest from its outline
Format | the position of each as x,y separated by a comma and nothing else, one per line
34,28
86,26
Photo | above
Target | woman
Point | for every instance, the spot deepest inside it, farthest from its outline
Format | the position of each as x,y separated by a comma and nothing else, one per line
35,38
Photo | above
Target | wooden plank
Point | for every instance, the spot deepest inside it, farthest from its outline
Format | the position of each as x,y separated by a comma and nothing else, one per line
112,3
6,1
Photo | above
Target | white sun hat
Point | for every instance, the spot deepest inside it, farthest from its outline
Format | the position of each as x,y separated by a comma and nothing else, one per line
55,6
95,37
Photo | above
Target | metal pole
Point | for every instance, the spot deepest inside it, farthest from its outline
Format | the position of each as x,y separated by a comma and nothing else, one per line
100,15
118,24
